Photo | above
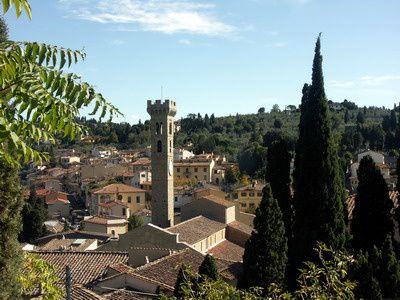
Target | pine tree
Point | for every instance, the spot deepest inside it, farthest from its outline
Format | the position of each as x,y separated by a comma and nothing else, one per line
318,183
390,270
372,220
11,203
208,268
184,281
278,175
34,214
265,255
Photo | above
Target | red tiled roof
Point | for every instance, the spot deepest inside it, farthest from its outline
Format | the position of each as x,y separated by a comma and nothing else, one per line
227,250
196,229
241,227
106,221
141,162
118,188
127,295
81,293
85,266
218,200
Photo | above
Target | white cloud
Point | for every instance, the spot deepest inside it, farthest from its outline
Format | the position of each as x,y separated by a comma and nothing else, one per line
341,83
378,80
117,42
185,42
166,16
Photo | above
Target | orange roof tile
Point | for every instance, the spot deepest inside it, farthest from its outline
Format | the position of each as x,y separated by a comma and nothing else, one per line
118,188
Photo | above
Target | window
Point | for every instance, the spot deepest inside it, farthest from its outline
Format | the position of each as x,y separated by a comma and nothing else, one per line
195,176
170,146
251,194
119,197
178,170
215,171
161,128
187,169
243,204
251,205
204,169
196,169
137,199
170,128
124,211
159,146
243,194
157,128
143,175
259,194
176,199
113,232
129,199
179,177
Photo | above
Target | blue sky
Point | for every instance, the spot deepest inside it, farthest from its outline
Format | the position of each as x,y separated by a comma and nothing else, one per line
223,56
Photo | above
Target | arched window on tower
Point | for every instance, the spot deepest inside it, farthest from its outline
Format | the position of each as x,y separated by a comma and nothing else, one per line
157,128
170,146
159,146
170,128
161,128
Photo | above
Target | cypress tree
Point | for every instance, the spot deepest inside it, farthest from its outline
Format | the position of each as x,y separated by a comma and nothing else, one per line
11,203
318,182
372,220
208,268
390,270
278,175
367,285
265,255
34,214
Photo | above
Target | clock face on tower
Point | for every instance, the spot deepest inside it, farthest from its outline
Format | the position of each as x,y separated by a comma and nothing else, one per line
170,167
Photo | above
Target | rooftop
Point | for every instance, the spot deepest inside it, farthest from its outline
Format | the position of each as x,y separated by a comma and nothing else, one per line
118,188
196,229
218,200
227,250
85,266
106,221
68,244
112,204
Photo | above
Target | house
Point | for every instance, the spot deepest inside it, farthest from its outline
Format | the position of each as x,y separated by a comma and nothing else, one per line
116,209
57,203
218,175
192,170
140,177
207,191
141,164
133,197
249,197
377,157
181,153
103,152
182,196
102,170
114,226
70,245
65,161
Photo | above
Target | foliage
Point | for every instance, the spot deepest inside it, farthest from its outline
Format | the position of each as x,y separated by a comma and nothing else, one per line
278,175
318,181
38,99
328,279
372,220
34,215
265,255
208,268
134,221
3,30
39,279
232,175
11,203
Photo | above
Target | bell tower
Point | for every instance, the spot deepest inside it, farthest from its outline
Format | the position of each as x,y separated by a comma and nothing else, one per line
162,161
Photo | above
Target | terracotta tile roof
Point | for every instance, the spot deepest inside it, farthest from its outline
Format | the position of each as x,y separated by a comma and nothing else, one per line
241,227
68,244
81,293
196,229
118,188
112,204
85,266
106,221
141,162
166,269
227,250
74,234
127,295
128,174
218,200
352,199
192,163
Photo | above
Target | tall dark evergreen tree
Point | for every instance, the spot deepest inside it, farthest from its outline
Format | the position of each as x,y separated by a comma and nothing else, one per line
278,175
372,220
11,203
318,181
34,214
367,284
390,271
208,268
265,255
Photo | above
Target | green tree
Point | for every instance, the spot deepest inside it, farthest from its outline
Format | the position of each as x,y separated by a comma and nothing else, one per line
3,30
265,255
185,282
360,117
372,220
134,221
232,175
390,270
278,175
34,214
208,268
318,182
11,203
278,124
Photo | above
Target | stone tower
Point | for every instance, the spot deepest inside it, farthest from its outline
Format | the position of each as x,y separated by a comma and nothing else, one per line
162,161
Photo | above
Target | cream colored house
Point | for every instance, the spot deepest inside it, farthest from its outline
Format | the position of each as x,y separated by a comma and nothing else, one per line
133,197
249,197
114,226
114,209
194,170
57,203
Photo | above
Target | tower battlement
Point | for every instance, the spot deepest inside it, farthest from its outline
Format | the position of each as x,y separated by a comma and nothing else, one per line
157,106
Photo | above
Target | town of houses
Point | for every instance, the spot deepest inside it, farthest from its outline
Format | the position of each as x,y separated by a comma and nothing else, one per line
182,198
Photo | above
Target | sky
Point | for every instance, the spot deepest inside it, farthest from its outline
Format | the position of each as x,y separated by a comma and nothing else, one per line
226,56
